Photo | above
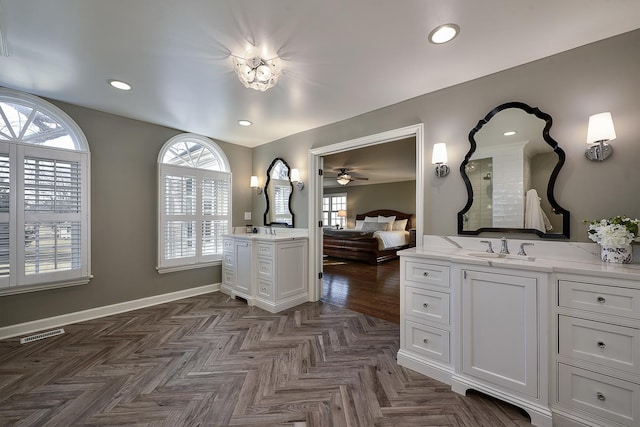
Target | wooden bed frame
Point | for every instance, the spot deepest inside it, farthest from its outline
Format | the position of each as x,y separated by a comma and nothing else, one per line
364,248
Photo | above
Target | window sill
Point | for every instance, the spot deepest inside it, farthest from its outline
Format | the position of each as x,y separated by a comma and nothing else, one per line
163,270
13,290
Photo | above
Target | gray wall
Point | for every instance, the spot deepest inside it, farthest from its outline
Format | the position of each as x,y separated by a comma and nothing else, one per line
124,220
604,76
399,196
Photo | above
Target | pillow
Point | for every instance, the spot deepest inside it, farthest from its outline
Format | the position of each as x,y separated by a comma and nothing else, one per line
370,219
400,225
359,223
375,226
389,219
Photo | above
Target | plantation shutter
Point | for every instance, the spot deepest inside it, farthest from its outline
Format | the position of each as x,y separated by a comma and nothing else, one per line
216,212
5,233
194,215
52,198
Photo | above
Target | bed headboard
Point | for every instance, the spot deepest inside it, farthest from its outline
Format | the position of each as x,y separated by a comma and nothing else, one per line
389,212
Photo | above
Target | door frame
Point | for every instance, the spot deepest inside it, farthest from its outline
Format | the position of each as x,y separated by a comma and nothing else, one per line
316,191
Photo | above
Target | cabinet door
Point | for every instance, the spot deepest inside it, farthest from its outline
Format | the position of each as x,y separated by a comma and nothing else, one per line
499,330
242,283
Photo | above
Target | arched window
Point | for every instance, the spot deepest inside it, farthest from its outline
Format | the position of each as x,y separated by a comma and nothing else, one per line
194,183
44,196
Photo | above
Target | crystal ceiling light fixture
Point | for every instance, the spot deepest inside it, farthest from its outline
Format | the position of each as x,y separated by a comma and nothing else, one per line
444,33
256,72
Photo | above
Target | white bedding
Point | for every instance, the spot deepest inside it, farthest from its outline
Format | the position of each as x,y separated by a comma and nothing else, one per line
391,239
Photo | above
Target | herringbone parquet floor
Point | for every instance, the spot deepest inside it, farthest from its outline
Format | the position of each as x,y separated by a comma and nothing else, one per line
213,361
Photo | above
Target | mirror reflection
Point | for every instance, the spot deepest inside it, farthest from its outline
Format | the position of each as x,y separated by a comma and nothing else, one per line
510,172
278,189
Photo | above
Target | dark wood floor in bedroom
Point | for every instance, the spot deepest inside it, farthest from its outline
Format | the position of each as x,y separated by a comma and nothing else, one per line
369,289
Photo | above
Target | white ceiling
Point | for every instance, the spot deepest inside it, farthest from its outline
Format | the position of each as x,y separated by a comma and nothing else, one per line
340,58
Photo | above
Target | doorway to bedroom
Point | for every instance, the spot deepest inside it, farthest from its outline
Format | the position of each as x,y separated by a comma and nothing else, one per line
383,173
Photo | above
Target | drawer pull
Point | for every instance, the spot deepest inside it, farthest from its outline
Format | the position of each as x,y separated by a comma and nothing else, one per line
425,340
601,344
425,273
425,305
600,397
601,300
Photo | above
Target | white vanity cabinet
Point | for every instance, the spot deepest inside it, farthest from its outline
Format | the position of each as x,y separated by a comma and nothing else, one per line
268,271
478,327
598,351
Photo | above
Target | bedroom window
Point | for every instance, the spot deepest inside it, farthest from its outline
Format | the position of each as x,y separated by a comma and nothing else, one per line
44,196
194,183
331,204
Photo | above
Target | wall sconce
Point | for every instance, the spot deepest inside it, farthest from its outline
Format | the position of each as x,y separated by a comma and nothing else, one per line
439,158
254,184
295,178
600,131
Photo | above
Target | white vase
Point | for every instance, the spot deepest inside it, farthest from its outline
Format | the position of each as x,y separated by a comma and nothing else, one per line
623,255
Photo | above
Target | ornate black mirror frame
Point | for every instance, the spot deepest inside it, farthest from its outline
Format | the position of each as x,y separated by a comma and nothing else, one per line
550,186
266,194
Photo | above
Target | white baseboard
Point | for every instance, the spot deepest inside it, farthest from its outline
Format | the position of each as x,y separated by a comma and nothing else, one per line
107,310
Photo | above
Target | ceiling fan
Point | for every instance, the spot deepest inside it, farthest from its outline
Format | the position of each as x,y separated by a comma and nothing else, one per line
344,177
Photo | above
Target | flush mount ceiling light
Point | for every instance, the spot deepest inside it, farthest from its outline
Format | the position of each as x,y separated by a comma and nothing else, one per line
510,133
444,33
244,123
256,72
118,84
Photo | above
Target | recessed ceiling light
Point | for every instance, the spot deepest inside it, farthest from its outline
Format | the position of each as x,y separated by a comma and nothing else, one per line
244,123
119,84
444,33
510,132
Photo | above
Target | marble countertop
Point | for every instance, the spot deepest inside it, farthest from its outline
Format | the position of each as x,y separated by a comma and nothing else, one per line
543,256
281,234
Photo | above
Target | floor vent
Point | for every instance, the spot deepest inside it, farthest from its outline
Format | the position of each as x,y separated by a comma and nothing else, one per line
42,336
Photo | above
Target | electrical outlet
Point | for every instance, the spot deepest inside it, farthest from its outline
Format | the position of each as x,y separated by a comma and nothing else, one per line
247,216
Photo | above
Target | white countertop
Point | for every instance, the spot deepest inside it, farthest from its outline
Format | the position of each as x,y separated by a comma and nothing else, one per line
544,256
281,234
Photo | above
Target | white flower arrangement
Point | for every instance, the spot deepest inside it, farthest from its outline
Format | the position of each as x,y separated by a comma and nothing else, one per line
616,232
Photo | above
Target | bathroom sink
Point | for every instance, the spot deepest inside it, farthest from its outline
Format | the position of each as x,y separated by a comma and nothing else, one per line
486,255
502,256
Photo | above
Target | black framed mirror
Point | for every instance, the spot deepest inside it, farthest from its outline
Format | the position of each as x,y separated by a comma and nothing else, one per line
510,173
277,192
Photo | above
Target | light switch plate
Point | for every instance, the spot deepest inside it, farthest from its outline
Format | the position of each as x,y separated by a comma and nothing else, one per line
247,216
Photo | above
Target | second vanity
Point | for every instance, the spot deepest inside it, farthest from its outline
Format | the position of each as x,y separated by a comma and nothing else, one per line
556,332
267,270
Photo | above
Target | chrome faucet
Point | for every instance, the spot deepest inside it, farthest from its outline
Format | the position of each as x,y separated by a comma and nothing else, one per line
504,249
489,247
522,245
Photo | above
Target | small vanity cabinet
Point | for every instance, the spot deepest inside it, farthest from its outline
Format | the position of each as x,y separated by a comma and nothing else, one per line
598,354
268,271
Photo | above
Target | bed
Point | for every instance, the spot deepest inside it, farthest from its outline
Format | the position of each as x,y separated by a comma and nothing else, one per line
371,244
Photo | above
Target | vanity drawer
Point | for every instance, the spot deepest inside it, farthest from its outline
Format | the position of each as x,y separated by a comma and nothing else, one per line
426,305
424,273
227,259
265,268
264,288
427,341
599,298
265,250
606,397
597,342
227,245
227,277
